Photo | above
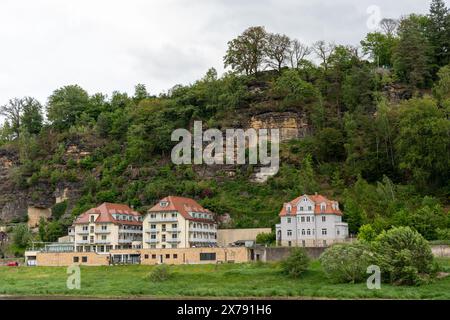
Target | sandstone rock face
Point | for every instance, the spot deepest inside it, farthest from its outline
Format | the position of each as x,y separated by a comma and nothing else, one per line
291,125
35,214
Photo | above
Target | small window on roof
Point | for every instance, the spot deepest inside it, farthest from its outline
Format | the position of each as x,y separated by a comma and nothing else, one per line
163,204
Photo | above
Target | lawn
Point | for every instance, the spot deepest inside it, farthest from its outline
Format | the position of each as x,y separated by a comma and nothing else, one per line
226,280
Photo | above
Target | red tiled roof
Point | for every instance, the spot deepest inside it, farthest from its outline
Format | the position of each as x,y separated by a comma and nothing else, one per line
182,205
105,214
317,199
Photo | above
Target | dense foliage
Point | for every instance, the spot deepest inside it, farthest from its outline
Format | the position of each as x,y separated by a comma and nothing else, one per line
296,264
378,142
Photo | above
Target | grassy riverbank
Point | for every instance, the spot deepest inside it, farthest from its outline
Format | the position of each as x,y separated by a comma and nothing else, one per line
229,280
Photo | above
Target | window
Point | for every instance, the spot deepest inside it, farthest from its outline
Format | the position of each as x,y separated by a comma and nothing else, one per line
163,204
289,243
163,227
174,246
167,256
164,238
153,226
308,219
174,236
146,256
303,219
205,256
76,259
324,232
153,256
303,232
92,229
338,232
175,256
288,220
174,226
84,238
153,216
153,236
309,208
92,218
308,232
85,228
174,215
103,237
301,208
104,227
324,218
289,233
84,259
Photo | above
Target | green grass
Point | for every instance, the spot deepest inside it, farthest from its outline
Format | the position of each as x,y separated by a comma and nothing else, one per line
227,280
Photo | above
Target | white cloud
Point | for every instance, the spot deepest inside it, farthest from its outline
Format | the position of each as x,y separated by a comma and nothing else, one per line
106,45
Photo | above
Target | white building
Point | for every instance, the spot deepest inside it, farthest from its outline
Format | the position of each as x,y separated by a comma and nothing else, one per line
107,227
178,222
311,221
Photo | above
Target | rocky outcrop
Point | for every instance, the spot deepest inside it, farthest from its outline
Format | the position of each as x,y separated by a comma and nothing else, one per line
292,125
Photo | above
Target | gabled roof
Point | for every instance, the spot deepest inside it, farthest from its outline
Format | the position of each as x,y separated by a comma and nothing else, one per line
105,214
317,199
182,205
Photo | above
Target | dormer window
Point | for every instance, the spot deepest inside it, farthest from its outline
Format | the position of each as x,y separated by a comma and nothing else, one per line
92,218
288,208
163,204
323,206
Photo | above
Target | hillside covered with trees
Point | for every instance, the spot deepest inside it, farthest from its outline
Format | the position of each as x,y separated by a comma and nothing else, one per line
378,133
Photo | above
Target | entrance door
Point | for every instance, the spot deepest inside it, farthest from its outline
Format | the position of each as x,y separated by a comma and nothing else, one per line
161,259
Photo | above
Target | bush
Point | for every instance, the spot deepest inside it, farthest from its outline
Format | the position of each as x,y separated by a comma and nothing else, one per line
266,238
159,273
296,263
405,256
344,263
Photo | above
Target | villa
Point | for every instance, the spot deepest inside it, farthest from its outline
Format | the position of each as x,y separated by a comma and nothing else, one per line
311,221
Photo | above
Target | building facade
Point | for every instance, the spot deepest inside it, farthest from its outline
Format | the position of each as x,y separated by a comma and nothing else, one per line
311,221
178,222
107,227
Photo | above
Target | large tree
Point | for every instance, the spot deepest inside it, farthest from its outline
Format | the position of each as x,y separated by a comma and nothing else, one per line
246,53
12,111
31,120
413,52
438,32
277,50
297,53
66,105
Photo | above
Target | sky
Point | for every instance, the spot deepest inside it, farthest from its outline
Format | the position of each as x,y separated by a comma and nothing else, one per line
107,45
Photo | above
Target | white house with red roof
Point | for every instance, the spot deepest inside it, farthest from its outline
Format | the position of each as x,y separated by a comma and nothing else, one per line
178,222
106,227
311,221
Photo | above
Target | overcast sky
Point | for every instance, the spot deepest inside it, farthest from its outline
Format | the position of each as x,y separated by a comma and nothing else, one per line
107,45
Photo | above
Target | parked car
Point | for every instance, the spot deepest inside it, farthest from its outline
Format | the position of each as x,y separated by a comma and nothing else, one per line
12,264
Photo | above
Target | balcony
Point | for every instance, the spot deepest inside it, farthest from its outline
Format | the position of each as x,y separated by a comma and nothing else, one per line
103,242
174,230
151,231
202,240
125,240
133,231
82,242
202,230
152,241
102,231
173,240
83,232
161,219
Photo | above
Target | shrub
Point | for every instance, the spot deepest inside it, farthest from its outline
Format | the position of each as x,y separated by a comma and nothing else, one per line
347,262
405,256
160,273
296,263
266,238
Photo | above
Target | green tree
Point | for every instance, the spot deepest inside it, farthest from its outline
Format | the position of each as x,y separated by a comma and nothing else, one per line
379,47
412,54
266,238
21,235
66,105
296,264
32,119
246,53
423,143
277,50
438,30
